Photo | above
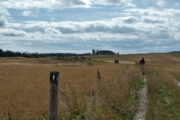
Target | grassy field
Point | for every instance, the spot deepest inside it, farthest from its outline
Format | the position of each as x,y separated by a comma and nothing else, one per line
163,96
24,87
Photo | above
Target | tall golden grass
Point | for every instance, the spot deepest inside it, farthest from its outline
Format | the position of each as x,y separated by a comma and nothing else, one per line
163,93
24,88
24,91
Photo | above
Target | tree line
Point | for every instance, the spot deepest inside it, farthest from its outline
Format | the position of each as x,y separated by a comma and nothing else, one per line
102,52
9,53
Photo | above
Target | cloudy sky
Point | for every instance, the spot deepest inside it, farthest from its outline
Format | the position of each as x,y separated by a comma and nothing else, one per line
124,26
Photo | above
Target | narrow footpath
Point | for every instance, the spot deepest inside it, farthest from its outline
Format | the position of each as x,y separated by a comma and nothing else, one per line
142,94
177,82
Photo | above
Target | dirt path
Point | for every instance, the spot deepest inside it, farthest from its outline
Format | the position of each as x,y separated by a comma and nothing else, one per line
121,62
177,82
142,93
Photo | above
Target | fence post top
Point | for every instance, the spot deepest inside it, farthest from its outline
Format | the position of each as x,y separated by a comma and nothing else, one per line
54,76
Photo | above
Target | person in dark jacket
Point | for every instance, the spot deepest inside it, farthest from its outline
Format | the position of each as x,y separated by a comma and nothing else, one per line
142,63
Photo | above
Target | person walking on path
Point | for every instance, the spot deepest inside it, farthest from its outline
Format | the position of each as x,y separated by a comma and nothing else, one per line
142,63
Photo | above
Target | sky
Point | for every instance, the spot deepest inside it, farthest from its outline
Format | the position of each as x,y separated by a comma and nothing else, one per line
78,26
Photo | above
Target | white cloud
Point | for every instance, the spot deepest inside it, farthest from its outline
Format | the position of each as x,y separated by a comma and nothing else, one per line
169,3
114,2
26,13
154,20
130,19
11,32
60,4
52,30
117,29
161,2
106,26
47,4
134,30
3,11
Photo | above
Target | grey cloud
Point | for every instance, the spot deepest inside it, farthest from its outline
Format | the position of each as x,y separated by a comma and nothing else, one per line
3,21
60,4
34,29
147,20
123,29
99,34
114,1
77,27
73,2
78,45
130,20
161,34
110,29
122,3
47,4
12,32
97,28
67,30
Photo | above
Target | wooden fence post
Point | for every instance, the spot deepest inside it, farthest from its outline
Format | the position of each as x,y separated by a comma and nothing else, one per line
99,79
94,97
53,96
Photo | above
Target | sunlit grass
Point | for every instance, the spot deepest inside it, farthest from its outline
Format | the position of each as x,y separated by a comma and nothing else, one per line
24,88
163,96
24,91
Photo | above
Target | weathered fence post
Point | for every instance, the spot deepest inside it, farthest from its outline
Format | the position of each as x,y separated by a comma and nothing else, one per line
94,97
9,115
53,96
99,79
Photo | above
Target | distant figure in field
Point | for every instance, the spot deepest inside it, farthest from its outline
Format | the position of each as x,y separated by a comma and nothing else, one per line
142,62
89,59
116,61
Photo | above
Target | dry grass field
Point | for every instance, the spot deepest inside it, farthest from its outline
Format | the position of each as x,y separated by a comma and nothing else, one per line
163,95
24,88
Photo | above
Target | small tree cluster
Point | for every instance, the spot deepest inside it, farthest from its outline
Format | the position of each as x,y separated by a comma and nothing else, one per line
102,52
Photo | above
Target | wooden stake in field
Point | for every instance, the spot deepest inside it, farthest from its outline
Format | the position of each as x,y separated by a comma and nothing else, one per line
53,96
94,98
9,115
99,78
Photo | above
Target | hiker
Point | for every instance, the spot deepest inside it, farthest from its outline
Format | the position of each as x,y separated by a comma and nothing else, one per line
142,62
116,61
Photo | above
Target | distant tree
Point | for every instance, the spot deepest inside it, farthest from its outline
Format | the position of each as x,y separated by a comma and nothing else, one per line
104,52
93,52
97,52
9,53
1,52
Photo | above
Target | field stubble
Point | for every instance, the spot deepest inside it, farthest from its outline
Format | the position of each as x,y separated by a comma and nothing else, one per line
24,92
